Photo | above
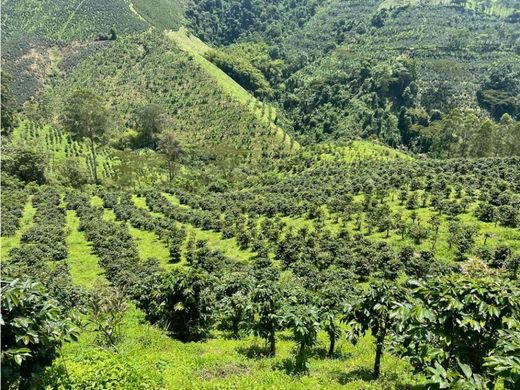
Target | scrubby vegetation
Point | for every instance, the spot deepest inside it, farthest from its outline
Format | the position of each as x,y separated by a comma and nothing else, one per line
314,195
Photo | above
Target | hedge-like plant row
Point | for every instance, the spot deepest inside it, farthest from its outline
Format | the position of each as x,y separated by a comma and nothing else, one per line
13,203
168,230
47,231
111,242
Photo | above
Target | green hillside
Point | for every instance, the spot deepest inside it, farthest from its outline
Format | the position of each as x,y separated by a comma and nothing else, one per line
207,110
260,194
375,68
65,21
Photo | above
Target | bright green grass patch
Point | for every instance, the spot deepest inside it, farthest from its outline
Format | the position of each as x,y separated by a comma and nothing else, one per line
215,241
230,364
84,266
148,245
10,242
363,150
174,200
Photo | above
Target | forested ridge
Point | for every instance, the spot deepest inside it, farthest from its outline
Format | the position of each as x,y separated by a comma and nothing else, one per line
288,194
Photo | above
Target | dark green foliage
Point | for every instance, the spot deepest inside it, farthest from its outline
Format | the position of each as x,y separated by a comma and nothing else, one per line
7,100
233,294
233,19
242,72
26,162
183,303
454,324
345,76
302,318
373,311
13,203
33,329
462,237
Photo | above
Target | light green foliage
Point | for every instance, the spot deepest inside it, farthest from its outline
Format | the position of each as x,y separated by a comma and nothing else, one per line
106,312
59,148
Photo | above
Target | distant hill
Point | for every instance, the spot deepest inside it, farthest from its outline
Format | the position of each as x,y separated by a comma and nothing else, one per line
395,70
150,68
375,67
68,20
35,33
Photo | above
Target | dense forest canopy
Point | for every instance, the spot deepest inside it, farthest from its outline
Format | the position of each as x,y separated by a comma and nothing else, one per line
260,194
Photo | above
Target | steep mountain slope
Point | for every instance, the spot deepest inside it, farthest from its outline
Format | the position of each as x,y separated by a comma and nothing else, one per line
373,67
150,69
37,33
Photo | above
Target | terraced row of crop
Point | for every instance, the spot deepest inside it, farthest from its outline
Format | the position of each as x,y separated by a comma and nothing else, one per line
61,146
111,242
13,203
42,250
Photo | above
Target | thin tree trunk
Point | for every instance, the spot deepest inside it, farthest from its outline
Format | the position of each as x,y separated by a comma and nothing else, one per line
94,160
235,327
332,338
379,353
272,344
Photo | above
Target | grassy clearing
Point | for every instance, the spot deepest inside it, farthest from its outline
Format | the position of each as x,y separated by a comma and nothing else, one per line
10,242
84,266
148,245
222,363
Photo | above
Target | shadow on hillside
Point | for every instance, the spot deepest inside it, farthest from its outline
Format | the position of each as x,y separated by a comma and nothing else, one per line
323,353
360,373
254,351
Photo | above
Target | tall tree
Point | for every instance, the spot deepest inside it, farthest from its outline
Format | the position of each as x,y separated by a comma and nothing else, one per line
6,97
150,122
85,116
170,146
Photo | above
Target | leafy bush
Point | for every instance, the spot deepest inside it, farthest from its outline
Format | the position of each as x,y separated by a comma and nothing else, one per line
33,330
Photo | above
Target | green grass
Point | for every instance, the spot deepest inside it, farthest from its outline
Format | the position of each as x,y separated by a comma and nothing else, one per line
149,245
10,242
84,266
214,239
222,363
